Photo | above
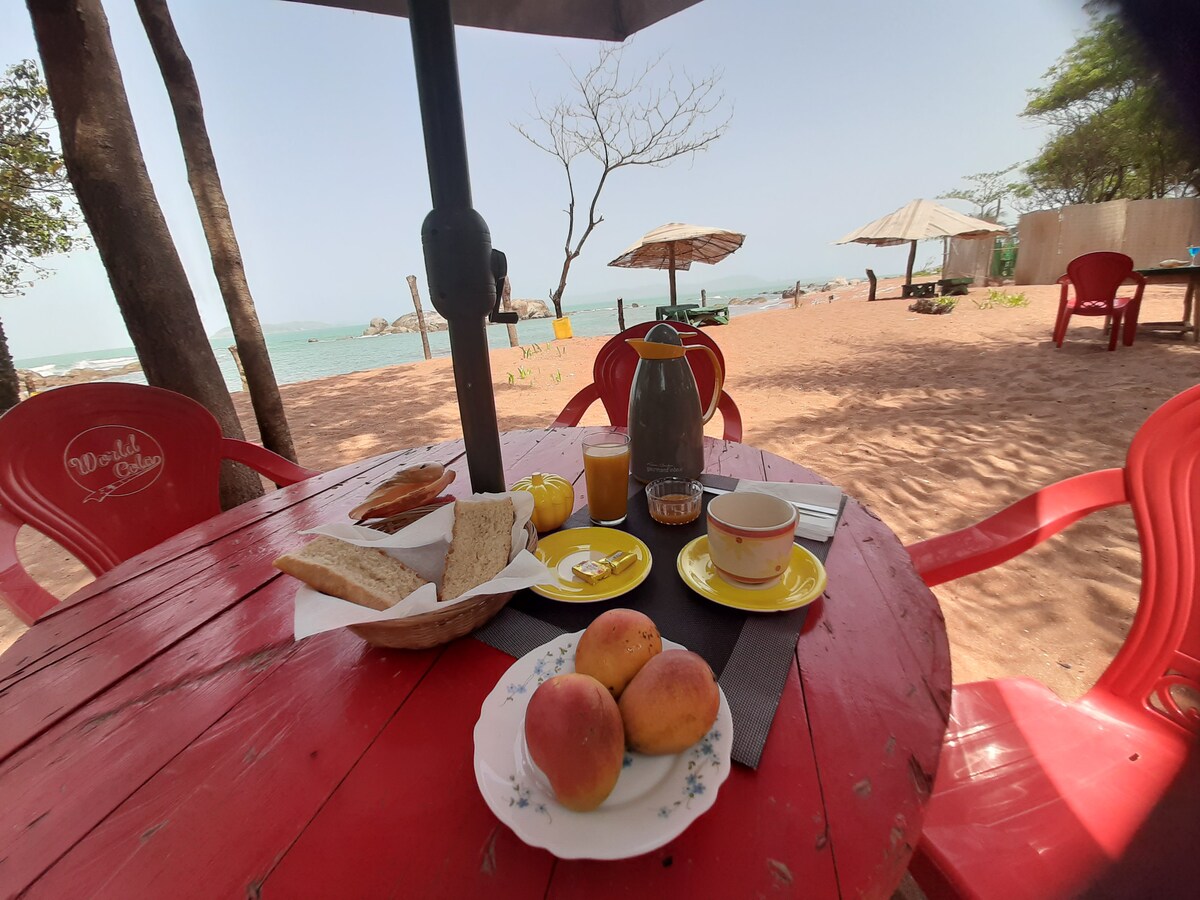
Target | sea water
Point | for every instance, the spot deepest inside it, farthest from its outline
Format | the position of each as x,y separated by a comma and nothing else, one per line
337,350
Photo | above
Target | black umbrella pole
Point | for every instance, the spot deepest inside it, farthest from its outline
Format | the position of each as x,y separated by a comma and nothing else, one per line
456,240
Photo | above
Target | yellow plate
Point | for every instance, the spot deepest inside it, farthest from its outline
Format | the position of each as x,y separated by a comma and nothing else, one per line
801,583
564,549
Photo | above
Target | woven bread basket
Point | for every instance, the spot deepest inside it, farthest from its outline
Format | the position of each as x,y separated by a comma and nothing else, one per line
432,629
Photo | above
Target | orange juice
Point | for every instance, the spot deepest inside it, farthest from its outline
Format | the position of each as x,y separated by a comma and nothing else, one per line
606,470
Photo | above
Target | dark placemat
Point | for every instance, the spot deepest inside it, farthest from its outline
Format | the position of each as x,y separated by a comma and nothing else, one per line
750,652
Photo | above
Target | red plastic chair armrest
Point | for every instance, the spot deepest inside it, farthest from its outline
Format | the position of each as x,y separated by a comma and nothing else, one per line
576,407
281,471
1015,529
730,417
24,596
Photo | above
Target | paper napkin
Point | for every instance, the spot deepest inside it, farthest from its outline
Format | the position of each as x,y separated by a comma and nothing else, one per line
815,528
422,547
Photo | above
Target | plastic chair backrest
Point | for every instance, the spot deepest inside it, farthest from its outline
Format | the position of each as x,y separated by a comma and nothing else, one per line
108,470
1160,659
616,362
1097,277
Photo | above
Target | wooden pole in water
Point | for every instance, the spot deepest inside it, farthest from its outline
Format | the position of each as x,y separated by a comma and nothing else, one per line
416,298
796,297
506,305
703,297
621,313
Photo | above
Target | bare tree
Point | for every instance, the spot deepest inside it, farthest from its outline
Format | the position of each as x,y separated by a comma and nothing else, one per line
105,164
621,119
184,93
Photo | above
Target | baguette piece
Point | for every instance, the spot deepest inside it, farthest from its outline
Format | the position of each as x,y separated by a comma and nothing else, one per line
363,575
479,545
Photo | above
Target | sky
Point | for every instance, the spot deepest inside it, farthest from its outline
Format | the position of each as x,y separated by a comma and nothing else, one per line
842,112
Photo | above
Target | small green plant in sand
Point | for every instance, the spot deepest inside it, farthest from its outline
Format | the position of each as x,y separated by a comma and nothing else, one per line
997,298
934,306
557,376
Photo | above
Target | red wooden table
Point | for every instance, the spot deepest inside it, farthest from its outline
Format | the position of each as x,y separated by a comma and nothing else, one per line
162,734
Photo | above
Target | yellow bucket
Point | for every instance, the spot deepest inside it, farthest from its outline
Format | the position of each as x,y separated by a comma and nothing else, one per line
562,328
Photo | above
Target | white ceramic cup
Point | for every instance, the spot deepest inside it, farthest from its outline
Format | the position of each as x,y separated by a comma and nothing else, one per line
750,536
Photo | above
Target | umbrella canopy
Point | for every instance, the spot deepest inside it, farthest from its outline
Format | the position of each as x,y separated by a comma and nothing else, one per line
462,269
677,246
613,20
919,221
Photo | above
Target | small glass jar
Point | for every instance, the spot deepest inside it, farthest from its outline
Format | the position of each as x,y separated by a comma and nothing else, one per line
674,501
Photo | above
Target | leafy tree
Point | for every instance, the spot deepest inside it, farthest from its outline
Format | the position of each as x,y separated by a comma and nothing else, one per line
1113,134
37,216
618,119
985,192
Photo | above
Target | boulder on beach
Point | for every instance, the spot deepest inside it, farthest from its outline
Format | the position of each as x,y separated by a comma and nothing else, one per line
434,321
531,309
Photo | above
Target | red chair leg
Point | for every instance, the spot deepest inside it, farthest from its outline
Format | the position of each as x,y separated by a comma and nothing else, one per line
1115,332
1060,331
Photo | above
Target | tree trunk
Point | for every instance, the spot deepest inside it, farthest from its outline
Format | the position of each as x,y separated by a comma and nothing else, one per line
620,313
10,384
416,298
105,164
223,247
506,305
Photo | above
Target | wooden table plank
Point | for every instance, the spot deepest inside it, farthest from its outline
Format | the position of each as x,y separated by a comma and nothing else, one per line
131,731
434,838
876,704
271,763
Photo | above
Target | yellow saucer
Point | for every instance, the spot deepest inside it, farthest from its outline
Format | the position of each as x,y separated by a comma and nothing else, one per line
801,583
564,549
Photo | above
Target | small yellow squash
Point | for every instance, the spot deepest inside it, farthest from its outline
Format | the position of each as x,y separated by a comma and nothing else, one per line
553,499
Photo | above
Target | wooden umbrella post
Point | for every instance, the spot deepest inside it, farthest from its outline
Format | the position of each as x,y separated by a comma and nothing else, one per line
671,250
912,257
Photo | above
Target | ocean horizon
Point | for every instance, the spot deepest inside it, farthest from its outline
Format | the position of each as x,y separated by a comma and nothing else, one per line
341,349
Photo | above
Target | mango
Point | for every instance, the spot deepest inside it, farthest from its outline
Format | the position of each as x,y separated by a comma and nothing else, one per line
616,646
574,735
670,704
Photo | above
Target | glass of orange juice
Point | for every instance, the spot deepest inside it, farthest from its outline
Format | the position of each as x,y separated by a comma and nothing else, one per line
606,469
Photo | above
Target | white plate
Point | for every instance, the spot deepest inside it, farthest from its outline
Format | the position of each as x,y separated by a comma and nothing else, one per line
655,799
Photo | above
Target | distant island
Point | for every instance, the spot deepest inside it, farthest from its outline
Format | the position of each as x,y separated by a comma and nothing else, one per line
275,328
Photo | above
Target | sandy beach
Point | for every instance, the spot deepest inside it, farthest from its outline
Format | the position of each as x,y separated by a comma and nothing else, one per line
931,421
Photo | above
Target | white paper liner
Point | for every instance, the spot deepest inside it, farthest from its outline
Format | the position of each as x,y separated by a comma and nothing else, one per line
814,494
422,547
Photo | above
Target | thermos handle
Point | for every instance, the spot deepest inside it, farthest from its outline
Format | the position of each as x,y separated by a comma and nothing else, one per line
718,378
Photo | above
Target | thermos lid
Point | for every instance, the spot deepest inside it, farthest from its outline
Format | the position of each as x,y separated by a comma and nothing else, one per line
663,333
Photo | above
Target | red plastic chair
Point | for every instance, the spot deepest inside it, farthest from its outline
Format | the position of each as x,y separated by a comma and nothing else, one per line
1036,797
1096,278
109,470
612,377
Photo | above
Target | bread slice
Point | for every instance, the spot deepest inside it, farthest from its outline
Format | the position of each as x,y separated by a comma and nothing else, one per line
363,575
479,546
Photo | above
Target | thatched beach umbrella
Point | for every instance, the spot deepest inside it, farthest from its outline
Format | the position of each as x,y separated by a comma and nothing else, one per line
459,263
919,221
676,246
